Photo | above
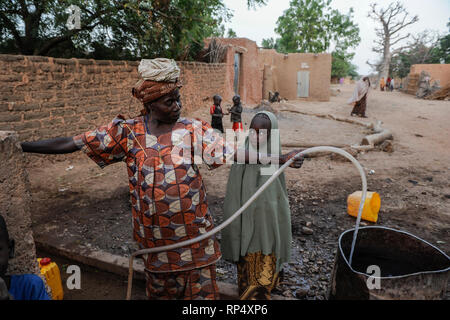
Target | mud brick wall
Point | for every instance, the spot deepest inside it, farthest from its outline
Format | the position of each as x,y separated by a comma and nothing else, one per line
201,81
263,70
438,72
285,68
43,97
16,205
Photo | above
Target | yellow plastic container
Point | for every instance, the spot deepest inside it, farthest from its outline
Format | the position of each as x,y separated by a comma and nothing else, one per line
51,272
371,205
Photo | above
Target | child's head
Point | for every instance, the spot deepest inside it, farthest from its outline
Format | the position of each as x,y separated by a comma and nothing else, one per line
260,130
236,99
217,99
6,247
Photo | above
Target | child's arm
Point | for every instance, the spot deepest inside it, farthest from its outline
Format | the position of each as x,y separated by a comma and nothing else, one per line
213,112
236,110
282,159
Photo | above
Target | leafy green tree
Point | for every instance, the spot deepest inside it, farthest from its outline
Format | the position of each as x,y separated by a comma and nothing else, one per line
441,53
113,29
312,26
231,33
352,72
272,43
400,65
341,66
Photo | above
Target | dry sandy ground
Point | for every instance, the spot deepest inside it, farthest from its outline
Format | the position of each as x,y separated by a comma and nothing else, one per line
86,206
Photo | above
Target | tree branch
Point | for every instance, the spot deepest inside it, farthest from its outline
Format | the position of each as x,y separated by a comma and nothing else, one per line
12,27
23,8
373,65
399,50
10,11
57,40
413,20
400,39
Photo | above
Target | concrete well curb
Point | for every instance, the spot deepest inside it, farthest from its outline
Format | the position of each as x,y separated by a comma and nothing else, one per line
119,265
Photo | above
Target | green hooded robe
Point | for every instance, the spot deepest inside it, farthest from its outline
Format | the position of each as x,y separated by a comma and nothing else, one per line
265,225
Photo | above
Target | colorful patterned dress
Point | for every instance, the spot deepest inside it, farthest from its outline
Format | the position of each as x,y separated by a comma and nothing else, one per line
168,198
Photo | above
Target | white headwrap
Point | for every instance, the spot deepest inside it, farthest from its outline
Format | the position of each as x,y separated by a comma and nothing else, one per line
160,70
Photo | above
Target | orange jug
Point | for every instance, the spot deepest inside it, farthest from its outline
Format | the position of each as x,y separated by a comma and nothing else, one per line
51,272
371,205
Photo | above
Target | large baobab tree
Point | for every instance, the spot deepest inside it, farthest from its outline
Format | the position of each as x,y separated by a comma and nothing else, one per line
393,20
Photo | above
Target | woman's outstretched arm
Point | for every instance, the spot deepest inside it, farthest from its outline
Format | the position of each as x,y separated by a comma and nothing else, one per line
50,146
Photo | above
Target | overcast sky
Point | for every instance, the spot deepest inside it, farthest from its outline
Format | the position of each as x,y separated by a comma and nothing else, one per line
260,23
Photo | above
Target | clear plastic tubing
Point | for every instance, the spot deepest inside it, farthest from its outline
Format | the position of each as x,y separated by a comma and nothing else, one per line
253,198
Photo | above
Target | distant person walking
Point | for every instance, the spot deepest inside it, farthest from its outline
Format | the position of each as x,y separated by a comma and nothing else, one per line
359,98
392,84
382,84
388,84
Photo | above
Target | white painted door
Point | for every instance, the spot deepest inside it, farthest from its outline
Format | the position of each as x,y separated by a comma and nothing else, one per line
303,84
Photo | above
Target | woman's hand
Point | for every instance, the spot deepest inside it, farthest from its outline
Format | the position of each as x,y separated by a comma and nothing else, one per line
297,163
50,146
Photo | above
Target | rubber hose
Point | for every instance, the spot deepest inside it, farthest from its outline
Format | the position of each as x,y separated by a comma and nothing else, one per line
250,201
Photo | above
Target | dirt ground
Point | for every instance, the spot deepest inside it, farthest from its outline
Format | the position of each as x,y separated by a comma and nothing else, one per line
75,203
95,284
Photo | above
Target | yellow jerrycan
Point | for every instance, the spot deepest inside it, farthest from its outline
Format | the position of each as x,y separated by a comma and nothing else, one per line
371,205
51,272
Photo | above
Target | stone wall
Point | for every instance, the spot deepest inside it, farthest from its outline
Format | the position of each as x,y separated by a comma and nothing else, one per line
43,97
16,204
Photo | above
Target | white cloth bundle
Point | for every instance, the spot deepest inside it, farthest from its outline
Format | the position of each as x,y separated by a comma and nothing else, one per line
160,70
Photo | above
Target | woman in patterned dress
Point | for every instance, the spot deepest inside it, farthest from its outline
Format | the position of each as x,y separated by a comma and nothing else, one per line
167,192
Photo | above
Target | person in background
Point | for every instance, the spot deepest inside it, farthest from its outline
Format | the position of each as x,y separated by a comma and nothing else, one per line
259,241
382,84
216,114
17,287
388,84
274,97
236,113
359,98
392,84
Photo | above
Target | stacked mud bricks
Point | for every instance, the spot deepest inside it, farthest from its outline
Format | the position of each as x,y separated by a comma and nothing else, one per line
43,97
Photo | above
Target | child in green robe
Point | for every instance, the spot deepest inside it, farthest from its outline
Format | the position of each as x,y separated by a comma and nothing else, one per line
259,241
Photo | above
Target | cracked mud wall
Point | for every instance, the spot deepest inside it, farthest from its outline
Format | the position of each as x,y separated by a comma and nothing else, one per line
16,205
